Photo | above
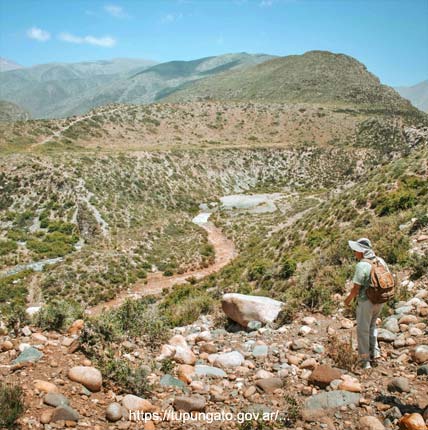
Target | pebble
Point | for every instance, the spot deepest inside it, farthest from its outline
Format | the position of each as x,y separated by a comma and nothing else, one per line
114,412
90,377
370,423
399,384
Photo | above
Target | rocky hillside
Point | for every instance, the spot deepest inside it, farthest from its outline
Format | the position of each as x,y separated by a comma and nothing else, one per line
61,90
314,77
10,112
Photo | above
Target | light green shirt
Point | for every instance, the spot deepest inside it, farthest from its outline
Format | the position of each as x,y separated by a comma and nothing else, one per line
362,278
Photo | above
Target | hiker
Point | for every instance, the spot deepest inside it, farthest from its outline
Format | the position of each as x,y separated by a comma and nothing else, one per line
370,270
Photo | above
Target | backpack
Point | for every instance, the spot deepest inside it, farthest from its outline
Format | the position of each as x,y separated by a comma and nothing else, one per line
382,283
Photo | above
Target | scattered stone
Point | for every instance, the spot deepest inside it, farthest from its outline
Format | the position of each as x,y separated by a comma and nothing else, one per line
350,384
385,335
304,330
423,370
26,331
370,423
64,413
185,373
228,359
184,355
260,351
323,375
135,403
90,377
408,319
56,399
214,372
391,324
399,384
254,325
7,345
298,344
190,404
309,363
170,381
346,323
250,391
412,422
28,354
45,386
46,416
332,399
243,308
263,374
38,337
269,385
76,327
309,320
420,354
114,412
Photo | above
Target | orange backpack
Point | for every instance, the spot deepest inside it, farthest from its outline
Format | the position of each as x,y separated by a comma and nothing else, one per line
382,283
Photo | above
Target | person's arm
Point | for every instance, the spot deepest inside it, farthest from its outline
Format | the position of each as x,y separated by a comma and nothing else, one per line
351,296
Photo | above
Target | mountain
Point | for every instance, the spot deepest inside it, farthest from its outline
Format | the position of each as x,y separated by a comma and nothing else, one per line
12,112
59,90
314,77
6,65
417,94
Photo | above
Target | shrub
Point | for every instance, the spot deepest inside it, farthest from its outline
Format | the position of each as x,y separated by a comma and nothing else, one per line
288,267
342,352
11,405
58,315
419,266
7,246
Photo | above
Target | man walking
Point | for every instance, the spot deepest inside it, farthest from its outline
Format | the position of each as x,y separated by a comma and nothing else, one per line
367,311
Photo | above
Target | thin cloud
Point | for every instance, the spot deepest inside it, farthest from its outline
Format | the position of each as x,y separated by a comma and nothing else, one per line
266,3
38,34
106,41
116,11
171,17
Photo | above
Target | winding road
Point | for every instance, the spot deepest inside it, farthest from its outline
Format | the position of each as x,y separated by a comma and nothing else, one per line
225,251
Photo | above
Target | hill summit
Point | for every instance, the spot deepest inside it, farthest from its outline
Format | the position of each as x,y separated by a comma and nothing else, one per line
314,77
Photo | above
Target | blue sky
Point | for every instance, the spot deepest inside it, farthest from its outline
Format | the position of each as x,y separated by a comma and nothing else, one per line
389,36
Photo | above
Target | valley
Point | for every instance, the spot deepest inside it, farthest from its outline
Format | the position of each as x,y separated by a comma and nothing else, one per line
128,231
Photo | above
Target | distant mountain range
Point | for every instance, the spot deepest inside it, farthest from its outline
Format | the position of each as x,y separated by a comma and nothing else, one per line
12,112
6,65
58,90
417,94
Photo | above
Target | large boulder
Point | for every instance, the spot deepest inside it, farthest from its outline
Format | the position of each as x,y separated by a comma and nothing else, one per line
243,309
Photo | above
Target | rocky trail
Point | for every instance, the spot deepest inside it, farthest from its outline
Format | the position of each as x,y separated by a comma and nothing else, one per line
295,374
224,252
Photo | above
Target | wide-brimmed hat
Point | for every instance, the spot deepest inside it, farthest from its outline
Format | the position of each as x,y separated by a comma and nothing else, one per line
360,245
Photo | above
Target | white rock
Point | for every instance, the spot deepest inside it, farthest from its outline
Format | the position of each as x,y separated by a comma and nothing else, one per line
304,330
263,374
243,309
309,320
228,359
90,377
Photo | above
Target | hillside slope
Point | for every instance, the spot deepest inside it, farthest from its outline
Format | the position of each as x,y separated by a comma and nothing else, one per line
314,77
12,112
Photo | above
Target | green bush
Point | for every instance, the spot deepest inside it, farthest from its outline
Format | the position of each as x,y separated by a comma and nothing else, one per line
11,405
58,315
288,267
7,246
419,266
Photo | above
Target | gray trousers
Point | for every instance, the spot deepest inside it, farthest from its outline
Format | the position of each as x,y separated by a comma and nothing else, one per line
367,314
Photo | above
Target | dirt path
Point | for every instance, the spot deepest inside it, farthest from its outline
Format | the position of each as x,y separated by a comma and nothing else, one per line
224,252
57,133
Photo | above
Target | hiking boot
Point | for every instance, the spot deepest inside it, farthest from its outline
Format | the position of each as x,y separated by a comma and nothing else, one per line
365,365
